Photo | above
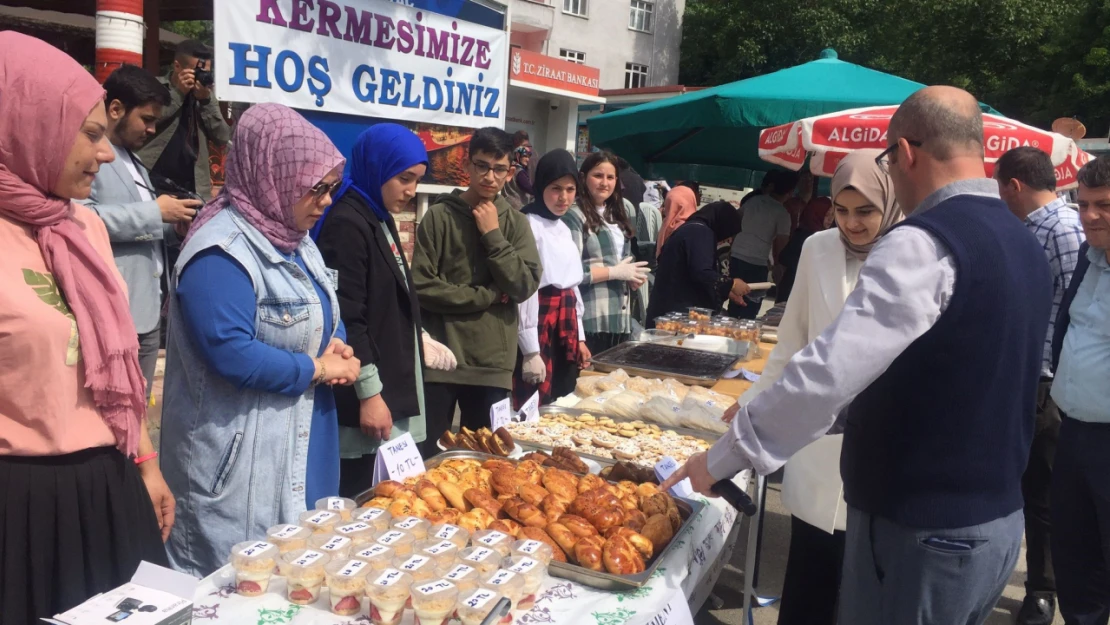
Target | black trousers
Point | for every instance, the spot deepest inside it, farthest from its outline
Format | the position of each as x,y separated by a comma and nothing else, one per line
1036,484
749,273
356,475
812,583
1081,514
601,341
440,400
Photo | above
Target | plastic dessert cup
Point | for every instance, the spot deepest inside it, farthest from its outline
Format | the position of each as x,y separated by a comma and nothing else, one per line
360,533
388,593
336,546
484,559
344,506
463,576
288,538
254,562
422,568
493,539
453,533
320,521
380,557
476,606
534,572
414,525
401,542
443,552
507,583
346,585
433,603
304,575
376,518
533,549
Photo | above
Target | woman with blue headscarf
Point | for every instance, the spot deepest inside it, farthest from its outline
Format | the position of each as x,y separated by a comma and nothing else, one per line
358,237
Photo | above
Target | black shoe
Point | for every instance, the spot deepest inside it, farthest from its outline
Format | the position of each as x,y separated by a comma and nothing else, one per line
1037,609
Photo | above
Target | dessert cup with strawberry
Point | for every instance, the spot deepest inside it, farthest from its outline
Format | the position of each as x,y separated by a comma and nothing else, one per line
401,542
319,521
534,572
344,506
377,518
336,546
346,581
533,549
493,539
453,533
254,562
433,603
388,593
304,575
443,552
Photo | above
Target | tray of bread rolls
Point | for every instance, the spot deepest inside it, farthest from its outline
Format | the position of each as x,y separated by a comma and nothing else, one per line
606,535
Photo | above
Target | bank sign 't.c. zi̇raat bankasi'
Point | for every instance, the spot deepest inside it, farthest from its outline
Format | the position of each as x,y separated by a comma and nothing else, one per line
370,58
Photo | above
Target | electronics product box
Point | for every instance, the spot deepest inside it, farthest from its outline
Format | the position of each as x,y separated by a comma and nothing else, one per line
155,596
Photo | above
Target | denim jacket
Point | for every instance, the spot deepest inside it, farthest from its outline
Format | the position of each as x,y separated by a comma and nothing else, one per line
236,459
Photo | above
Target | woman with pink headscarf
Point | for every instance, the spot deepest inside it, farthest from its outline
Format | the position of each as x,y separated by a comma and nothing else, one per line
250,434
77,468
680,205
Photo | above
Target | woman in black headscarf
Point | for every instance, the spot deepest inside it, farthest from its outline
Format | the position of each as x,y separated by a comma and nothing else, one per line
688,274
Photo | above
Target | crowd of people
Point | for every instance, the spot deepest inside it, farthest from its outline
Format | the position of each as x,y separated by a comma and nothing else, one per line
943,326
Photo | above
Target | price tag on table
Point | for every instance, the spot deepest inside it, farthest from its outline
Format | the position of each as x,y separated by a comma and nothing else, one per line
664,468
398,459
676,612
500,414
530,411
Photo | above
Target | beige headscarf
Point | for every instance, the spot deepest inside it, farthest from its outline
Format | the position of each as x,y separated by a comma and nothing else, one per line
859,171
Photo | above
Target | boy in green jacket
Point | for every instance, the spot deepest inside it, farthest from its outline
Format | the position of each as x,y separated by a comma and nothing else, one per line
474,260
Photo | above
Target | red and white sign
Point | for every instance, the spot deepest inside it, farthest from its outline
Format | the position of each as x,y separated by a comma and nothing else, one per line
545,71
829,137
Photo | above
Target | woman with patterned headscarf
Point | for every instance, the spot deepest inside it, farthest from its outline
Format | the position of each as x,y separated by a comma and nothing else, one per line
77,468
249,431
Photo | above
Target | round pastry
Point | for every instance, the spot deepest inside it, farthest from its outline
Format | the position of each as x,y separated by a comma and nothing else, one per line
626,451
586,418
604,440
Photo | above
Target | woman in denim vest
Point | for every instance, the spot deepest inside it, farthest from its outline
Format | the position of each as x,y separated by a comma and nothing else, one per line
249,431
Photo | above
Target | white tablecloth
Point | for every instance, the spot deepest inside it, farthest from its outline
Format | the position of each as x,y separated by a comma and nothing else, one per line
559,601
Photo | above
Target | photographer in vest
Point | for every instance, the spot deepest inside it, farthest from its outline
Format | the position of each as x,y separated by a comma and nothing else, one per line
934,360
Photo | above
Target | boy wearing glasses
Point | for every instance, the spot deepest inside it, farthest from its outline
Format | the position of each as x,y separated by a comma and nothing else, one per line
474,260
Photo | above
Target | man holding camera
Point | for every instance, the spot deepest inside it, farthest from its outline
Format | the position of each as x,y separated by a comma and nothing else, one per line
179,149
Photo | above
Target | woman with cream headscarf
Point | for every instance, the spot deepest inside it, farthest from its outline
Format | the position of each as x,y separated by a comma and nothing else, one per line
77,469
865,209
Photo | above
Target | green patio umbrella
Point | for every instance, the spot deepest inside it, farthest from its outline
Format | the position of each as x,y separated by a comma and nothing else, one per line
712,135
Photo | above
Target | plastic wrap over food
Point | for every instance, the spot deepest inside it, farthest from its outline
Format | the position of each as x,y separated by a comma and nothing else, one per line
625,405
703,410
597,403
587,386
661,409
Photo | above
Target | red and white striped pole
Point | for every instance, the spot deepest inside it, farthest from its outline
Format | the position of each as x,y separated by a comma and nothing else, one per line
119,35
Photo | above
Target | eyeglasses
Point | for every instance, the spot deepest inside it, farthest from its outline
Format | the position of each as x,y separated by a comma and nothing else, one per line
320,189
484,168
883,159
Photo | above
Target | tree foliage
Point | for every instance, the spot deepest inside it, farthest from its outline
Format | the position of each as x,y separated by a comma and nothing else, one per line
1034,60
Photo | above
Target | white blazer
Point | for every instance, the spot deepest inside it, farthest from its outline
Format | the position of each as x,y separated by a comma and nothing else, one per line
811,487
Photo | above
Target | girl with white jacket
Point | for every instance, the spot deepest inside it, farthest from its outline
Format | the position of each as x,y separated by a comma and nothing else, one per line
864,209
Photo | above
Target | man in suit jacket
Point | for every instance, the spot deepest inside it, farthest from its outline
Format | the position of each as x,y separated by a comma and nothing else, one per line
138,222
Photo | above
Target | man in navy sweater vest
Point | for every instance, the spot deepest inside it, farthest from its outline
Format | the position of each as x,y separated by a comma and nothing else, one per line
936,355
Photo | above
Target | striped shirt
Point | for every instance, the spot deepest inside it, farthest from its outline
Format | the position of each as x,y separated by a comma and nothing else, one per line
606,303
1056,225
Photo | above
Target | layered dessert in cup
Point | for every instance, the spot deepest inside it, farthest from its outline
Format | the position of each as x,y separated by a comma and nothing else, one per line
344,506
346,585
304,575
533,549
463,576
476,606
507,583
378,556
360,533
443,552
433,603
534,572
288,538
254,562
336,546
484,559
422,568
498,541
320,521
416,526
388,593
401,542
377,518
453,533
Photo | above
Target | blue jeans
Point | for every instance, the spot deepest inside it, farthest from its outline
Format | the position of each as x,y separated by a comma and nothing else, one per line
898,575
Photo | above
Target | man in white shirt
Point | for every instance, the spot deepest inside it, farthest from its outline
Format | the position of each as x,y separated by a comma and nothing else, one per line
138,223
764,234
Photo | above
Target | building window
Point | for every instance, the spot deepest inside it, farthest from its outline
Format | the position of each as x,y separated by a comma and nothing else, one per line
635,75
573,56
639,18
575,7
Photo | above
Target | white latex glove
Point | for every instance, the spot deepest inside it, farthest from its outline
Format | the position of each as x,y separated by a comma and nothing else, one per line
629,271
533,370
437,355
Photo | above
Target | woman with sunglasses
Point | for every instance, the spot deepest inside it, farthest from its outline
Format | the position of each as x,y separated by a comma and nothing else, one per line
250,436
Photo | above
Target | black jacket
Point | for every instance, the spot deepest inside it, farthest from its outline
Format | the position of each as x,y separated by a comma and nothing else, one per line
688,274
1063,317
382,317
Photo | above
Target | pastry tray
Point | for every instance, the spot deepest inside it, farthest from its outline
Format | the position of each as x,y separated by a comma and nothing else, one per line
687,508
652,360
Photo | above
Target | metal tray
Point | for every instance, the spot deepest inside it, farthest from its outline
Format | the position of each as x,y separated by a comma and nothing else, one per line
688,509
652,360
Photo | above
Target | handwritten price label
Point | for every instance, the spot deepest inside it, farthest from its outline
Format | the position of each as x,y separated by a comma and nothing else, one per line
459,572
398,459
353,528
372,552
353,567
479,554
501,577
435,550
288,531
335,503
524,566
479,599
530,411
410,523
434,587
255,549
500,414
676,612
493,538
308,558
388,578
530,546
415,563
322,517
336,544
370,514
447,532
